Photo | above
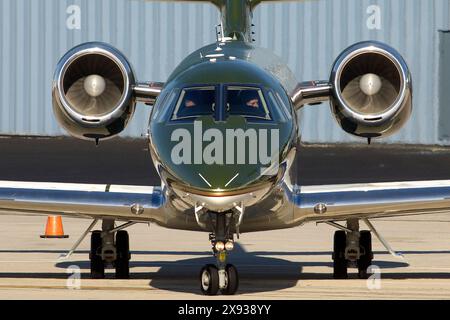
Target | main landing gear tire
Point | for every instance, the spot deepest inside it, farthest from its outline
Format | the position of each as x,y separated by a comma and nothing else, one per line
365,260
122,263
209,280
232,282
339,260
97,264
122,258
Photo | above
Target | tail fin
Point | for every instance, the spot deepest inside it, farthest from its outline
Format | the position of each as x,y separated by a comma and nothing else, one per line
236,16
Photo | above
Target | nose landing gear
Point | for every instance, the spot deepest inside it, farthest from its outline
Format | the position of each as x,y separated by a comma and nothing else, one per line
232,280
222,276
209,280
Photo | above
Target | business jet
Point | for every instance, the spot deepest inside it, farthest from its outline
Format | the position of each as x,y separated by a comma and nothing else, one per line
223,134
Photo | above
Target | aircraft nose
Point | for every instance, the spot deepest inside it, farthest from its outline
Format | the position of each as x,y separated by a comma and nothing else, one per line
219,156
225,158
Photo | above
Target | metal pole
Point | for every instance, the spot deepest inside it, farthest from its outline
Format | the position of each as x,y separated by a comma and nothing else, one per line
77,243
382,240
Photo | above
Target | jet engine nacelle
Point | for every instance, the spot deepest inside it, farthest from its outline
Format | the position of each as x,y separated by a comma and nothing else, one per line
371,93
93,91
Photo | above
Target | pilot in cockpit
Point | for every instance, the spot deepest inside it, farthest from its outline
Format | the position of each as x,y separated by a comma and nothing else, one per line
188,103
250,97
254,103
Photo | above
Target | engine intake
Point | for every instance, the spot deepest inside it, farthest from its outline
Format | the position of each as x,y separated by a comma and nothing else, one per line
371,90
93,91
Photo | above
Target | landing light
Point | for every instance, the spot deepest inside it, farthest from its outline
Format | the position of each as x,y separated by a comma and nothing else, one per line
220,246
229,245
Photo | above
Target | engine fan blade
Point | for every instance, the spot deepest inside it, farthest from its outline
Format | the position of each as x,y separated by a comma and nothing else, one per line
369,104
88,105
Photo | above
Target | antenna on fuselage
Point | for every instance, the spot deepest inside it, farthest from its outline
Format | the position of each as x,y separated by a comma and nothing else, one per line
218,32
252,32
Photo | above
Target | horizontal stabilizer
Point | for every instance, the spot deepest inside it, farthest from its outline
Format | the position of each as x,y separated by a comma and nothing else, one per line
221,3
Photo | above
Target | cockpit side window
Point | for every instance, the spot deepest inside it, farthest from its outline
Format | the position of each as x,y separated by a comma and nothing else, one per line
165,106
285,103
194,102
277,110
248,102
159,102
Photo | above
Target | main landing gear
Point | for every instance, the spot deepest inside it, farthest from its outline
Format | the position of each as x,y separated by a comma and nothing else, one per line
222,276
110,246
352,248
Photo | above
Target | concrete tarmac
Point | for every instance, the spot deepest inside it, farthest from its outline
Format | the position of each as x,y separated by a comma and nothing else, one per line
286,264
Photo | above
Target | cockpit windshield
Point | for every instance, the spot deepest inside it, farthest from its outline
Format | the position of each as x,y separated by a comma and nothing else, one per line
245,101
195,102
248,102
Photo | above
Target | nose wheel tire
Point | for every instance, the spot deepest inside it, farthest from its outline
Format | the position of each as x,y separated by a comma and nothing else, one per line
97,264
122,263
339,260
365,260
209,280
232,282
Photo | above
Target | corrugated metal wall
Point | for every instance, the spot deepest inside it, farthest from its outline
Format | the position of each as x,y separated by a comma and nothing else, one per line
156,36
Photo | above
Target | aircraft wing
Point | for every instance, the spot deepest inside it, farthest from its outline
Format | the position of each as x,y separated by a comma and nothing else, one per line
121,202
371,200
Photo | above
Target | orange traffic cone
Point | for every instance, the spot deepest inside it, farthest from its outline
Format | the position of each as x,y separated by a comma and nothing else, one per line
54,228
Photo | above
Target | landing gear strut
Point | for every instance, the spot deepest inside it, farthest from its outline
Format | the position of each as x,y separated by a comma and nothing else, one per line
222,276
351,248
110,246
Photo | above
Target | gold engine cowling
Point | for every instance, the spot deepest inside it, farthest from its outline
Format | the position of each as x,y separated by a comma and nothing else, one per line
93,91
371,90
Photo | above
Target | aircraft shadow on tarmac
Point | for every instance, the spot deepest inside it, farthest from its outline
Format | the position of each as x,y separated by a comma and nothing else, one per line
259,271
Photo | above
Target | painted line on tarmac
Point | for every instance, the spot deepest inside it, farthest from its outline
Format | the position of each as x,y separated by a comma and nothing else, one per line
29,261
